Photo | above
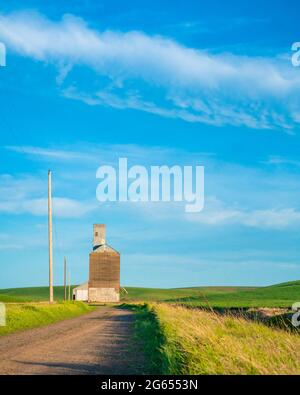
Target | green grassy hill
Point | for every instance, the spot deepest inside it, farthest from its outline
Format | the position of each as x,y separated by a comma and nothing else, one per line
176,294
35,294
278,295
32,294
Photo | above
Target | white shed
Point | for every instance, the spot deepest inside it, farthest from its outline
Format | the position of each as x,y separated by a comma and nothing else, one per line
81,292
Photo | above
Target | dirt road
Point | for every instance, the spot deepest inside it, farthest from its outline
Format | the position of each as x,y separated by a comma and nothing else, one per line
96,343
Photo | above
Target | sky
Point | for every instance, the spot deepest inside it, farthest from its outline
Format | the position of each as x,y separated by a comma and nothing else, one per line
160,83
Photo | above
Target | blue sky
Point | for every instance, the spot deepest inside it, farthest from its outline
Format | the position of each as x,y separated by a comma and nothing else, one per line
168,82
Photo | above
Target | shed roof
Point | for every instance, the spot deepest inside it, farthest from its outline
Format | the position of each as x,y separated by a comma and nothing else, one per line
82,286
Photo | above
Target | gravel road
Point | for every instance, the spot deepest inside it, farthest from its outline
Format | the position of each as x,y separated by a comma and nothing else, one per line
95,343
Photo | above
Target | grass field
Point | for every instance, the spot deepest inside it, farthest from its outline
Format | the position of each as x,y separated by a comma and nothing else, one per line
32,294
279,295
178,342
25,316
283,295
176,294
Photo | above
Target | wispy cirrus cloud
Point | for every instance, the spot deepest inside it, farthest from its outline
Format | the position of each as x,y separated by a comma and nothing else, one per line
279,160
219,214
96,154
47,153
27,195
159,75
62,207
229,198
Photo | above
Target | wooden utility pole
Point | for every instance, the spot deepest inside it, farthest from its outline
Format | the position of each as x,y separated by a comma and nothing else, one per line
50,238
65,278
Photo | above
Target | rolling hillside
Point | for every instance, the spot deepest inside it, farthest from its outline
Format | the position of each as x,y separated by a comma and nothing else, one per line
32,294
177,294
278,295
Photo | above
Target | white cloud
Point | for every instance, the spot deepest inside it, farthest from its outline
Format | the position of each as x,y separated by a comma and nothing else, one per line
62,207
26,195
271,218
4,247
160,76
278,160
47,152
107,153
272,204
13,188
217,213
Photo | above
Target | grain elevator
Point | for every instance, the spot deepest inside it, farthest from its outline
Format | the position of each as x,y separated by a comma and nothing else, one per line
104,269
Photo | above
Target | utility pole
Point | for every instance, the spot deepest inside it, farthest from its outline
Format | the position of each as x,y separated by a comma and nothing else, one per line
65,278
50,238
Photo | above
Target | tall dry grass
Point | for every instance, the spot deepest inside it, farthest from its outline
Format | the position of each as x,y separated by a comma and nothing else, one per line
201,342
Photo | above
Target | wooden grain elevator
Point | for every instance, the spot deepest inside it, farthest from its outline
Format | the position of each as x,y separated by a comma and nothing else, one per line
104,270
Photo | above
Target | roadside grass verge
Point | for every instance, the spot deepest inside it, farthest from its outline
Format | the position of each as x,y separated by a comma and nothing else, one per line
26,316
152,335
178,340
